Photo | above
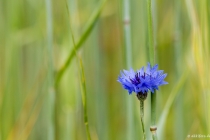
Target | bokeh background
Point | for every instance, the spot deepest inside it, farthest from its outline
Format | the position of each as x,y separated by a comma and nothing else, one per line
35,42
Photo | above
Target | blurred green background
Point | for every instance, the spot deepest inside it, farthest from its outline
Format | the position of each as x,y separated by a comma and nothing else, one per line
35,42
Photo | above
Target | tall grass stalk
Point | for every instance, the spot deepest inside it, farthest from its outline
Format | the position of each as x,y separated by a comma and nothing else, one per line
84,100
82,79
78,44
73,12
72,54
51,95
128,55
153,126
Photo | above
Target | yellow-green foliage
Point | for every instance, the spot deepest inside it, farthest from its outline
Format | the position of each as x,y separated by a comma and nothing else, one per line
33,107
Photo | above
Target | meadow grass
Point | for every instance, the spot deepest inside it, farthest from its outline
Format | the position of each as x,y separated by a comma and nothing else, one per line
40,95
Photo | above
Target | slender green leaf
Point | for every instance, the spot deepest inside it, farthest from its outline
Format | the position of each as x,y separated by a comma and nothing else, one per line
82,80
82,39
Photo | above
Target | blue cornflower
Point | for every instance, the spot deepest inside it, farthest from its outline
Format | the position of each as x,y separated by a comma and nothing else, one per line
142,81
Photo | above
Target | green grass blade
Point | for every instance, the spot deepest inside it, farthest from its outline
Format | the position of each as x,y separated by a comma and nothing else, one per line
82,81
82,39
174,93
84,100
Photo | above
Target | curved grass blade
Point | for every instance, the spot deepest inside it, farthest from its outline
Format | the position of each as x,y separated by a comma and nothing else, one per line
82,81
174,93
82,39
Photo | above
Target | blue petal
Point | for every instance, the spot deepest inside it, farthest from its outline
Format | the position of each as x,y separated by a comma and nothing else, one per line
141,71
140,82
148,68
154,68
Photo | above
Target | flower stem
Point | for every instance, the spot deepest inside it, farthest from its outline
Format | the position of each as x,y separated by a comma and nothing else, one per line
153,127
142,117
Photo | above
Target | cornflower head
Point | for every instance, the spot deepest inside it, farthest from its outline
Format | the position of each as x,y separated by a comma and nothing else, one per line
142,81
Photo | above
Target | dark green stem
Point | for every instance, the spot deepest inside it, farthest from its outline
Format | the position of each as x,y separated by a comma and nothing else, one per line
142,118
